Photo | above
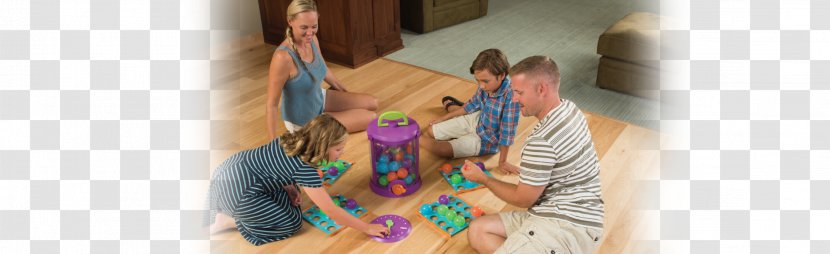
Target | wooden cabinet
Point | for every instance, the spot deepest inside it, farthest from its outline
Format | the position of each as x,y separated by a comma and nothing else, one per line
352,32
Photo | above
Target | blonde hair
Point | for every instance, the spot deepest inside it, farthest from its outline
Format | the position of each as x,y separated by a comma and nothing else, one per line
536,68
294,8
312,142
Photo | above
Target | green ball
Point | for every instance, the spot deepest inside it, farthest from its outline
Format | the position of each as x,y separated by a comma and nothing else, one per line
340,165
383,181
459,221
442,210
451,215
336,201
456,179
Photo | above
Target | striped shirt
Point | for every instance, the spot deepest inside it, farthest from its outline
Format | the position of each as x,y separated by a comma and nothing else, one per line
248,186
559,154
498,119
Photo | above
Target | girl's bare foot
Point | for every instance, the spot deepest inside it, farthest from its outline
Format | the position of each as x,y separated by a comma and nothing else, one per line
222,223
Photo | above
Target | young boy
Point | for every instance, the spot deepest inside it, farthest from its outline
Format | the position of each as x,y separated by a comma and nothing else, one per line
486,124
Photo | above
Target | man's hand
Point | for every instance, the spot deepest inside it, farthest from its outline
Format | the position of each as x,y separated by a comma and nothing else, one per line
437,120
473,173
293,194
508,168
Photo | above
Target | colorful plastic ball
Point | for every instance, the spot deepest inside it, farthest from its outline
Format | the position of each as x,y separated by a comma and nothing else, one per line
459,221
383,158
383,181
398,189
476,211
408,179
394,166
426,209
451,215
399,156
320,172
407,163
409,156
456,179
383,167
351,204
340,165
402,173
333,171
446,168
443,199
392,176
408,148
336,201
442,210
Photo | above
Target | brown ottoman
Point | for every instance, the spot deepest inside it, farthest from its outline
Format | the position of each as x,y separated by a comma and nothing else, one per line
630,52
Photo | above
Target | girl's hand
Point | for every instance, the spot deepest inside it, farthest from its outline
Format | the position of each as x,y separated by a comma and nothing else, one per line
376,230
293,194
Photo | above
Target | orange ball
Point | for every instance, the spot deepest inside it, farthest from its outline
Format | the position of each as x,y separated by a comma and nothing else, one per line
398,189
476,211
446,168
402,173
399,156
409,148
392,176
320,172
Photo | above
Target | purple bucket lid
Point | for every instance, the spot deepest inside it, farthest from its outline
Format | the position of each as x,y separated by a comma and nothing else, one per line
393,127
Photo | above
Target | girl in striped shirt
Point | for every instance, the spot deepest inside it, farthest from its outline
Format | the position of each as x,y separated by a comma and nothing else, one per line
256,190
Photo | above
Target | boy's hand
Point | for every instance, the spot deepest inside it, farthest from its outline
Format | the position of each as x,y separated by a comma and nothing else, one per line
377,230
293,194
437,120
508,168
472,172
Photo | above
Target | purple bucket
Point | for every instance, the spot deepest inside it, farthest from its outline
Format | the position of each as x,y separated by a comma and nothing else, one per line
393,141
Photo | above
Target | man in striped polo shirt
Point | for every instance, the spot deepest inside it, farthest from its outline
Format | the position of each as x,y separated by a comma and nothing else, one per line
558,180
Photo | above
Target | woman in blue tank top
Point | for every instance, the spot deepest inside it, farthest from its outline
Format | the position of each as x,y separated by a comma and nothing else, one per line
296,74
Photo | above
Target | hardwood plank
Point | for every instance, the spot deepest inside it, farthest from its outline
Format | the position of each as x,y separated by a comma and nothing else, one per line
416,92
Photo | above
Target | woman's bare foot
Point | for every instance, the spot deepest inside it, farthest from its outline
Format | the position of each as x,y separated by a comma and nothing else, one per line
222,223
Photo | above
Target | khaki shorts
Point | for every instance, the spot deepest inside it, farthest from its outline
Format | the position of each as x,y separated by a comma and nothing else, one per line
291,127
461,133
531,234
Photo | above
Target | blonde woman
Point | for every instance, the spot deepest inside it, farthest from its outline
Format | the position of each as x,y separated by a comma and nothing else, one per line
297,72
254,190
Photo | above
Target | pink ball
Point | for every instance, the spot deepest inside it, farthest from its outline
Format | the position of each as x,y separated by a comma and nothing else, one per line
443,199
333,171
351,203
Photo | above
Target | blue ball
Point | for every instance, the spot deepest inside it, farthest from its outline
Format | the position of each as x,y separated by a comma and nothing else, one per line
426,209
410,157
394,166
408,179
383,158
383,167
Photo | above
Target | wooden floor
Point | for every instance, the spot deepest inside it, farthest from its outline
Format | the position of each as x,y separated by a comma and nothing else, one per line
624,152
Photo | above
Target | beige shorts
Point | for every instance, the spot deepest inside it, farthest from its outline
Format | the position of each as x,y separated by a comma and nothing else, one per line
461,133
532,234
291,127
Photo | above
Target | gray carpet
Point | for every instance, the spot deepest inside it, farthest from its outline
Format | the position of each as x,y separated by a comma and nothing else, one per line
566,30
